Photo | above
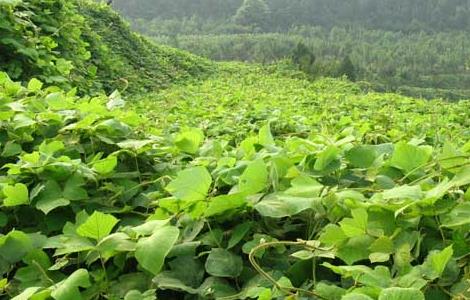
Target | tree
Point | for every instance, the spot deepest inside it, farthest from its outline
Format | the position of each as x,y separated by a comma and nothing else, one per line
347,68
253,13
303,57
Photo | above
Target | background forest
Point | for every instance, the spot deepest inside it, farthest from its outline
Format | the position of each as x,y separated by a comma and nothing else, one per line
418,47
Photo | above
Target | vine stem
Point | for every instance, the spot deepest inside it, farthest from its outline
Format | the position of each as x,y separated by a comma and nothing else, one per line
260,270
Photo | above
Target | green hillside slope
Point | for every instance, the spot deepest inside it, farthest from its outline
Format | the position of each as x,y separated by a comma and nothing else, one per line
84,44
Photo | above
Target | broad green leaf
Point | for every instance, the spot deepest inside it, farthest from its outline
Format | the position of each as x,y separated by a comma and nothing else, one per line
189,140
458,216
396,293
11,149
304,186
265,136
224,203
97,226
137,295
362,156
105,166
73,190
151,251
191,184
436,262
68,289
404,192
255,178
34,85
355,249
333,235
15,246
239,232
223,263
16,195
357,225
408,157
51,197
280,205
326,157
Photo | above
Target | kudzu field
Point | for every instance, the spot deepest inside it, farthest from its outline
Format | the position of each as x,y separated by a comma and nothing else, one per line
251,184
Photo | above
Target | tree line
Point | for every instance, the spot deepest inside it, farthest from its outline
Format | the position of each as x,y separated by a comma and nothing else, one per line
281,15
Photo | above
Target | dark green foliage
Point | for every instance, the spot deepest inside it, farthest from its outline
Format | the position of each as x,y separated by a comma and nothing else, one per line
303,57
125,59
48,45
347,69
393,15
253,14
85,45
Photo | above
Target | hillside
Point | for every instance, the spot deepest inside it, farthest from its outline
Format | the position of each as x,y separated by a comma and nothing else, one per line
225,181
84,44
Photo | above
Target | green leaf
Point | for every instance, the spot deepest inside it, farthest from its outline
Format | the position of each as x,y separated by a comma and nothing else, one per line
224,203
27,293
304,186
73,190
458,216
3,219
189,140
396,293
436,262
265,136
223,263
255,178
11,149
355,249
356,296
239,232
14,246
356,226
333,235
68,289
97,226
51,197
280,205
16,195
404,192
34,85
362,156
105,166
326,157
151,251
408,157
191,184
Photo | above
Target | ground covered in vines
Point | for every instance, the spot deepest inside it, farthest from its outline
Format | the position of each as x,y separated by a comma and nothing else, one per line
249,183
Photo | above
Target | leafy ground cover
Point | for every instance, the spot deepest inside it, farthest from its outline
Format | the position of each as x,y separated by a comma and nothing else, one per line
253,184
86,45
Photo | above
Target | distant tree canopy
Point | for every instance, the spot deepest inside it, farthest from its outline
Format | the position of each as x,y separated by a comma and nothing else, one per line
303,57
253,13
394,15
347,68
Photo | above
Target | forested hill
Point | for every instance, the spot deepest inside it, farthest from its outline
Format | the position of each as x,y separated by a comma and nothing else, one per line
406,15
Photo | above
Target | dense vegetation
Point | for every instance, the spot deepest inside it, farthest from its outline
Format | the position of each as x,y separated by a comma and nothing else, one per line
390,44
92,50
235,182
